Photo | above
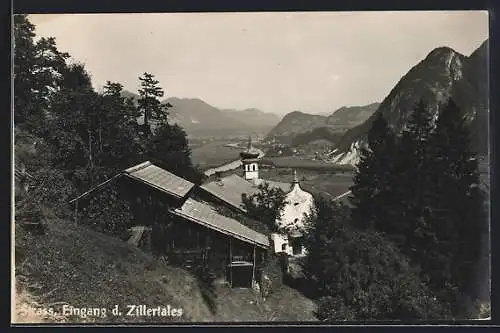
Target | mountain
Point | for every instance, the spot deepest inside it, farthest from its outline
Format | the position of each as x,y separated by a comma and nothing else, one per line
444,73
254,118
294,123
199,118
348,117
313,125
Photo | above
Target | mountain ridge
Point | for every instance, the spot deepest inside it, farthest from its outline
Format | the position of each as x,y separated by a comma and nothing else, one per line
199,118
442,74
298,123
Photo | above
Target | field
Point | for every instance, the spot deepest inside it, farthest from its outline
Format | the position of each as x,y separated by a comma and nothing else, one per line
214,153
331,185
305,164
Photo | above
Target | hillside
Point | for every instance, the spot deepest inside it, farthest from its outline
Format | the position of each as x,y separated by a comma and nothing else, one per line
325,135
200,119
442,74
297,123
348,117
294,123
74,265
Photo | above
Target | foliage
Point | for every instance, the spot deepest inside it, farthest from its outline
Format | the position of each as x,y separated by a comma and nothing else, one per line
106,212
149,102
360,275
37,69
459,199
438,217
84,137
265,205
372,177
270,273
169,149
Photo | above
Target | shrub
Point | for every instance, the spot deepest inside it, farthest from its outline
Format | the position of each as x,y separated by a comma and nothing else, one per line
106,212
270,274
361,275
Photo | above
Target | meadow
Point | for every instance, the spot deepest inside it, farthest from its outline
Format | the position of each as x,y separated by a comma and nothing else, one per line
214,153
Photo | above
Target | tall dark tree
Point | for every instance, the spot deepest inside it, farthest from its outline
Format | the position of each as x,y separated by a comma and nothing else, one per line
149,103
169,148
118,146
37,73
74,118
372,178
458,198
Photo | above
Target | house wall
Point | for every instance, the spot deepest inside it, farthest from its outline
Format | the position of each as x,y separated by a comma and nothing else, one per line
282,243
187,242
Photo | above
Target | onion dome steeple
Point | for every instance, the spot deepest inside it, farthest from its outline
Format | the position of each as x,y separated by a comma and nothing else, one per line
250,152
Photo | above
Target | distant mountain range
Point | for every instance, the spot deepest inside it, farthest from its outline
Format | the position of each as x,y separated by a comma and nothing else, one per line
444,73
300,128
200,119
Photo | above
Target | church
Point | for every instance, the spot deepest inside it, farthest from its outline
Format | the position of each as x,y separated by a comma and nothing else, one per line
299,202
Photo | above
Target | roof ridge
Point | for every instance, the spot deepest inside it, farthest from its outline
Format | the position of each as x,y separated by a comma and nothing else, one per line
138,167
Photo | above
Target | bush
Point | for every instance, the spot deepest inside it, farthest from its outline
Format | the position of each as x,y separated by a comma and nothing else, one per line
360,275
49,193
270,274
106,212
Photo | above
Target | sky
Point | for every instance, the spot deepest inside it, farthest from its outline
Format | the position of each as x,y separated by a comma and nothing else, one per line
315,62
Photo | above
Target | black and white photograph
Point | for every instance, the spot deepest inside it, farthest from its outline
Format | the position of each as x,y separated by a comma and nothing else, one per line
314,167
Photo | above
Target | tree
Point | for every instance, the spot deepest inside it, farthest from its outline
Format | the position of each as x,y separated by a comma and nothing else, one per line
359,274
371,188
149,102
117,134
37,73
265,205
169,148
459,200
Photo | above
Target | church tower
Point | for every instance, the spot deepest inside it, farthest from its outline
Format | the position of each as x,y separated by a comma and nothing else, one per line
250,159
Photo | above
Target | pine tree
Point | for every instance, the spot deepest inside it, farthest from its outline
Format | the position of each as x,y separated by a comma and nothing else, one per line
371,181
149,103
412,180
459,197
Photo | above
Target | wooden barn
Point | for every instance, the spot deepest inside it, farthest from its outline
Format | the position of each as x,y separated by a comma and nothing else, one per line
190,232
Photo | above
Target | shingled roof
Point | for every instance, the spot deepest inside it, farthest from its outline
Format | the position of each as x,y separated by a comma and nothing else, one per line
205,215
160,179
153,176
229,189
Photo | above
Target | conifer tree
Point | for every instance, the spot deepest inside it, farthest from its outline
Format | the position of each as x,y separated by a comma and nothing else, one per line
149,102
412,182
457,192
371,181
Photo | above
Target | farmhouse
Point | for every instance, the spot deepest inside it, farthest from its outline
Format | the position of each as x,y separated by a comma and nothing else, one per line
190,232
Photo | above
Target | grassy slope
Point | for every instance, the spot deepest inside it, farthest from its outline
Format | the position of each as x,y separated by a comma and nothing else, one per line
75,265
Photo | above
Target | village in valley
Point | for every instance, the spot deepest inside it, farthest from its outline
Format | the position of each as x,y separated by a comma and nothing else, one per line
134,206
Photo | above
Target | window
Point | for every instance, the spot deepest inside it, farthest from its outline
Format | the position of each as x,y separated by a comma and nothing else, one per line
296,246
283,246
